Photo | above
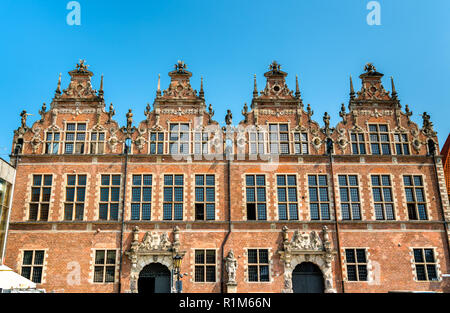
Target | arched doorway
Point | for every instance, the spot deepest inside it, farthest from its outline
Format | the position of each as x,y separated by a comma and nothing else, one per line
307,278
154,278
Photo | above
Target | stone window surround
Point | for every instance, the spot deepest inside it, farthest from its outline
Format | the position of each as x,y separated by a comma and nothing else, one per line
97,196
92,266
437,263
369,266
394,199
270,258
297,187
44,265
129,184
331,202
192,266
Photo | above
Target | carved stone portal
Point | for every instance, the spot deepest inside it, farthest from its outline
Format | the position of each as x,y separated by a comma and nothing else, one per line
154,248
307,247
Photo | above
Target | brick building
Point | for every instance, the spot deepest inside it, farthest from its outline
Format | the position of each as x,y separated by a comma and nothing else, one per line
274,203
445,152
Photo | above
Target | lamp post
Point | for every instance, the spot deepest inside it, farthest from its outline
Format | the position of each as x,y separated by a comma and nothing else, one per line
177,265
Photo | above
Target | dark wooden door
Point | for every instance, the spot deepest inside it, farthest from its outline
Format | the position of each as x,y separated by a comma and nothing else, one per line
307,278
154,278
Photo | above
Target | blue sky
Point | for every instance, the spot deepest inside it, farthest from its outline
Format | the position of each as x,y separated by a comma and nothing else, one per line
130,42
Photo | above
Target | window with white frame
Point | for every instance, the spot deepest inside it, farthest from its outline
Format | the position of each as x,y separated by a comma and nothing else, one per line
205,198
75,197
382,197
32,265
179,138
356,262
141,197
287,197
258,265
379,139
201,139
256,197
109,197
319,201
358,143
156,142
105,266
401,144
52,140
205,266
97,142
279,138
301,143
415,197
425,264
75,140
40,197
349,194
173,197
256,142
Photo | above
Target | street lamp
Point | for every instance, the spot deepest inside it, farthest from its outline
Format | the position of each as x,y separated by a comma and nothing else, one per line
177,265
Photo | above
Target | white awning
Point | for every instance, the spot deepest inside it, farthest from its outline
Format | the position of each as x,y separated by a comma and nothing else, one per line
11,280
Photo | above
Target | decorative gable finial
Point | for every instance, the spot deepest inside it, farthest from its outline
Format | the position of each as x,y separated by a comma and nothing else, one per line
81,67
297,88
394,92
370,68
275,67
58,87
100,92
158,89
352,91
201,94
342,114
180,67
255,90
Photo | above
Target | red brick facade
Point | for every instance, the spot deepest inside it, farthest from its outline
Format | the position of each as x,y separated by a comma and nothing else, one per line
375,121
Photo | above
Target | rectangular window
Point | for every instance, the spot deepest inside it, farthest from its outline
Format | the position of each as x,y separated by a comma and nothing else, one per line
75,197
32,265
319,202
349,193
415,197
279,138
205,266
105,266
287,197
40,197
205,197
425,264
258,265
301,143
141,197
358,143
156,143
356,262
173,197
109,197
97,142
256,142
256,197
52,140
75,138
401,144
379,139
201,142
179,138
382,197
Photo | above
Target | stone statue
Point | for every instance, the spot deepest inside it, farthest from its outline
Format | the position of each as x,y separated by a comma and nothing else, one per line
129,119
231,265
111,112
326,120
245,113
228,117
369,68
24,115
210,113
